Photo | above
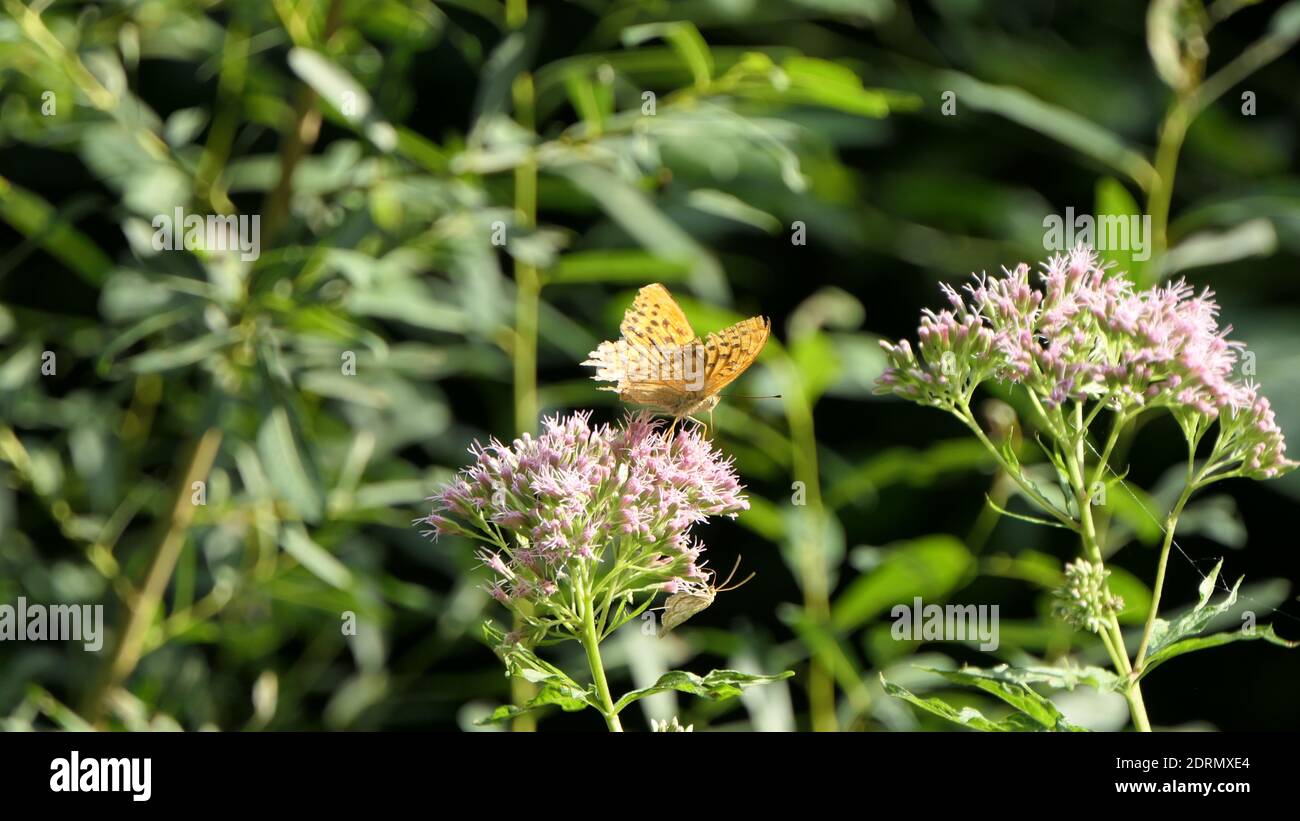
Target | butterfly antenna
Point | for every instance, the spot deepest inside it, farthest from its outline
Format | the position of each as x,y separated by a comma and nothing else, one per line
740,583
743,396
730,575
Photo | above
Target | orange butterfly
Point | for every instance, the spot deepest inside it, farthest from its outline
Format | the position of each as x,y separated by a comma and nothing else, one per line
662,364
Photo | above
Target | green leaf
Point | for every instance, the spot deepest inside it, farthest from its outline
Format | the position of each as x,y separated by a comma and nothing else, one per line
508,59
1114,200
1135,508
821,82
555,690
929,567
345,94
1033,712
1018,695
817,362
1062,125
729,206
1179,648
716,686
834,652
907,466
1033,520
1164,42
63,716
592,105
685,40
316,559
1166,633
629,266
41,224
644,222
1059,678
965,716
187,353
283,459
1256,238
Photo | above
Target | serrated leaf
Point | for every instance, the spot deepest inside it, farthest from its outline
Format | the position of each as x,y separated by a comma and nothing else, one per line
554,691
965,716
1016,694
1060,678
716,686
1165,633
1179,648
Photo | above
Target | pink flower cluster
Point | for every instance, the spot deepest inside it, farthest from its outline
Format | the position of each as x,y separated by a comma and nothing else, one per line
1086,335
585,493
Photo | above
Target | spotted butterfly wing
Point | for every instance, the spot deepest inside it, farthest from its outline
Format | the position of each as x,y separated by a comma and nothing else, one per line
660,362
729,352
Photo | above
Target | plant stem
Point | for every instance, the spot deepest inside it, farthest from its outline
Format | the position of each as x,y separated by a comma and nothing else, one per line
1138,708
968,418
1076,463
145,606
591,643
1171,524
812,568
1172,132
300,135
527,300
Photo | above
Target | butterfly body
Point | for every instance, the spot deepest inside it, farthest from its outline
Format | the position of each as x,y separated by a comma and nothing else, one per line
662,364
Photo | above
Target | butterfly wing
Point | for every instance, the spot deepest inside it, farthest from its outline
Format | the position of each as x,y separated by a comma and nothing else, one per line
656,320
729,352
659,362
681,606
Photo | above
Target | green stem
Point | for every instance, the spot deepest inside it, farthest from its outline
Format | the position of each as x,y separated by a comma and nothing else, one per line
144,609
527,300
1138,708
1076,463
1172,132
528,283
1103,460
813,576
591,643
1013,472
1171,524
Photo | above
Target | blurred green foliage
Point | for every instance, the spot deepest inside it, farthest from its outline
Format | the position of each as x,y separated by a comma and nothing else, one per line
323,390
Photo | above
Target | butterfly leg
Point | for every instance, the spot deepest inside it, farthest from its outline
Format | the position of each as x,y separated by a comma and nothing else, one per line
707,428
